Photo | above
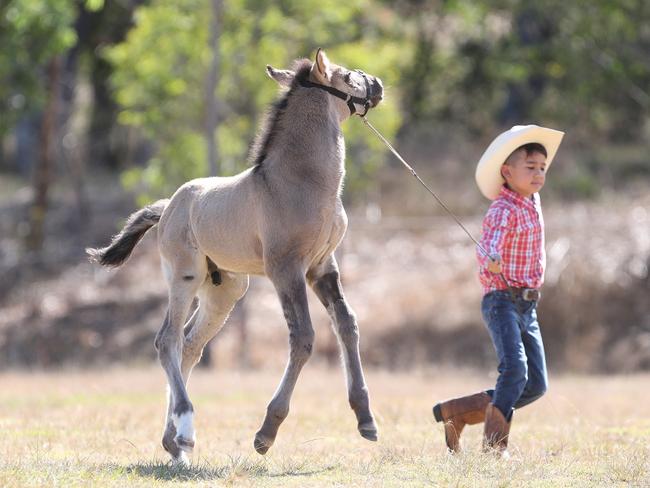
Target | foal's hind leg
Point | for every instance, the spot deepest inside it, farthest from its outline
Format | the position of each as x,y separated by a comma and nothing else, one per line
326,283
290,285
215,304
169,342
168,441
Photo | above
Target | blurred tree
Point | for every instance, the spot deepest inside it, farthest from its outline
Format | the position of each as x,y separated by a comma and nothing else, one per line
602,66
33,34
99,141
100,24
569,64
459,64
164,62
39,65
211,81
42,172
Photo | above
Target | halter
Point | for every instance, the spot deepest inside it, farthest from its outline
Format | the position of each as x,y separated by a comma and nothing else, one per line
346,97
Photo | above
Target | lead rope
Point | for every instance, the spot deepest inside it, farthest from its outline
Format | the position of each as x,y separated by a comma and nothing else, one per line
442,204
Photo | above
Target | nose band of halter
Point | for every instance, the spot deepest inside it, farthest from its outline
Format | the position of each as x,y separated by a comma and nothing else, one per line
346,97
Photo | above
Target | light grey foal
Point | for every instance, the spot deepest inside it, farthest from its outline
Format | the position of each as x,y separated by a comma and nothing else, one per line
282,218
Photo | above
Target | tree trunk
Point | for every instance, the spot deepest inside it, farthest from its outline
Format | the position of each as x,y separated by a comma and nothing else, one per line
96,29
211,80
416,90
70,147
42,176
102,147
210,122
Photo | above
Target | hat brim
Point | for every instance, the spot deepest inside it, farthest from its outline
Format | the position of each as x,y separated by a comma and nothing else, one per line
488,170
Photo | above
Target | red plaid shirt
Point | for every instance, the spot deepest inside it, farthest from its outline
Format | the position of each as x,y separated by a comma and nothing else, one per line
513,228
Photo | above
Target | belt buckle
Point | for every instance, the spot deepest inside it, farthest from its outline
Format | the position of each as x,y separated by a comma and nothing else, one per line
530,294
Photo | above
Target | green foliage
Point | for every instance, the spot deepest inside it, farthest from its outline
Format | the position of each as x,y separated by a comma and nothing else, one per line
31,33
461,67
94,5
161,67
365,152
158,76
570,64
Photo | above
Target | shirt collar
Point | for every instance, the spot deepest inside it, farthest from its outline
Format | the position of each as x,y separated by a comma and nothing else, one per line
517,199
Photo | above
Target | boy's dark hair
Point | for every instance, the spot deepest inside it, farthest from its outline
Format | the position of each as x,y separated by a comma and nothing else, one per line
531,147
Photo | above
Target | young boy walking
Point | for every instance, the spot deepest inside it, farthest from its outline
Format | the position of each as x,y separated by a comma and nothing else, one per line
511,172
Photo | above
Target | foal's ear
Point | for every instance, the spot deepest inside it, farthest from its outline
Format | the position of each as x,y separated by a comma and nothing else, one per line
321,69
284,77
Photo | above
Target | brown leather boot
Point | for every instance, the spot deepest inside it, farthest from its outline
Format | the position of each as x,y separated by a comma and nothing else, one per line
459,412
497,429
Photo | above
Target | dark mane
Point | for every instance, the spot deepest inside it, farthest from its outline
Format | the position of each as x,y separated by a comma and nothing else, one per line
302,68
271,121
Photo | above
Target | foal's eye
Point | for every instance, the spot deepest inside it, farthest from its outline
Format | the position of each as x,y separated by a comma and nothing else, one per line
346,78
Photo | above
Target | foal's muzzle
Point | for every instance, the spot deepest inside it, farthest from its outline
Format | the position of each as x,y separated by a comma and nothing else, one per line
376,94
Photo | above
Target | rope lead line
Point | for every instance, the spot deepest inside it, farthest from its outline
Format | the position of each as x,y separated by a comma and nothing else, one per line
442,204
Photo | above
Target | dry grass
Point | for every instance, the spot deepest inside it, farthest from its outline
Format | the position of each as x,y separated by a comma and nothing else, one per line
103,429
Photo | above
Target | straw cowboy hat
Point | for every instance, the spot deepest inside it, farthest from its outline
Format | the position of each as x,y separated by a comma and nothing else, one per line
488,170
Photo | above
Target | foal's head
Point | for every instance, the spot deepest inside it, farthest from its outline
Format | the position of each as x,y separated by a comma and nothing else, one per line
354,90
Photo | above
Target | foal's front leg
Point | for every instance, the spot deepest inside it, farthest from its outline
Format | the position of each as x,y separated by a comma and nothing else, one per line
326,283
290,285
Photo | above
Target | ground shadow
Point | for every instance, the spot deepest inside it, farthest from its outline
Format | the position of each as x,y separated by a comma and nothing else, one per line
234,468
169,472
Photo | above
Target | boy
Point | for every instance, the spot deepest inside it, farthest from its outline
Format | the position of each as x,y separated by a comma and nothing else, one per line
511,172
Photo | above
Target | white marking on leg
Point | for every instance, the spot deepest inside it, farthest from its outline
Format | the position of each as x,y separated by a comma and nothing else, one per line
184,426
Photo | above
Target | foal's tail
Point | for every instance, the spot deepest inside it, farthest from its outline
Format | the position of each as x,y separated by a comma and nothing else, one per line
122,244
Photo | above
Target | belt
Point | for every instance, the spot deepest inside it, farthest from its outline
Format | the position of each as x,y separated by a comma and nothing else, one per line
526,294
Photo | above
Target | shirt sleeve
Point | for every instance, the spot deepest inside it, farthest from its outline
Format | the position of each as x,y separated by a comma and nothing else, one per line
496,228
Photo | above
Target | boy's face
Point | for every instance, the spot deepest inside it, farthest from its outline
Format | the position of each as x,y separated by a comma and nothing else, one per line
524,173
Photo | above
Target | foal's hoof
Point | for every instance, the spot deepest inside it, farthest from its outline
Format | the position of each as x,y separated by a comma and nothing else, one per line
181,460
185,445
262,443
368,430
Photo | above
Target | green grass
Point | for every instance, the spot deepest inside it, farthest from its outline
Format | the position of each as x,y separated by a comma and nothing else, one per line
103,428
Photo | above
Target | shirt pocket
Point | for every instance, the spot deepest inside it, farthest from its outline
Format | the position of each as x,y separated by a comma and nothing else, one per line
527,233
527,227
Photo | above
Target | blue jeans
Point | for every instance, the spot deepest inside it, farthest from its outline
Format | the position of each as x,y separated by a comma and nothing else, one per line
512,323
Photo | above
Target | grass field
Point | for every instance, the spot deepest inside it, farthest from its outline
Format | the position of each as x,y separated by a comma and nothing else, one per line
103,428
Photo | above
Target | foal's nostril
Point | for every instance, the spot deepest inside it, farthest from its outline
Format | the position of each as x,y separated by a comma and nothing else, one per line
377,92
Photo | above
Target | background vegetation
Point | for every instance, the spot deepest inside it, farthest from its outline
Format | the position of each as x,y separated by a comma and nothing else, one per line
108,104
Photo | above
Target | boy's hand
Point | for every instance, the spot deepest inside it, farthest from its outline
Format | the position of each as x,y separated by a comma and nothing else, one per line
494,264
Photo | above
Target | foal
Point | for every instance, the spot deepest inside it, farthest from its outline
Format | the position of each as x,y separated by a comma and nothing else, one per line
282,218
